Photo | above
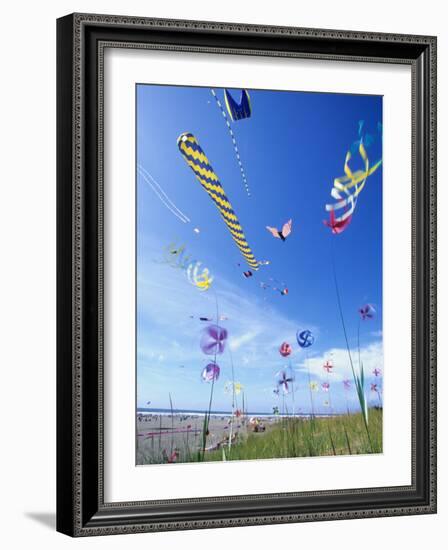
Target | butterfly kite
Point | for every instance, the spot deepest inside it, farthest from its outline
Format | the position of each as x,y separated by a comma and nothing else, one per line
283,233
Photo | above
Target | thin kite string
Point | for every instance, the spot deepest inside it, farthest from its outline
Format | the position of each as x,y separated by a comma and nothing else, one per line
161,191
162,195
162,199
338,297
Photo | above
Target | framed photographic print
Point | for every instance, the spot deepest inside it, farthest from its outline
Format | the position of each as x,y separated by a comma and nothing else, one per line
246,274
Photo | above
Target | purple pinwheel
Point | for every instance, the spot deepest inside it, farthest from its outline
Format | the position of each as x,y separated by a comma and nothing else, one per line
210,373
213,340
347,384
285,378
367,312
325,386
376,372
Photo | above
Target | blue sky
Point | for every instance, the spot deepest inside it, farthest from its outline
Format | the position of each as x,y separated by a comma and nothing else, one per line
292,148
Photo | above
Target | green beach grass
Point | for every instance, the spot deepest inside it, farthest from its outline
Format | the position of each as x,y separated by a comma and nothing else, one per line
296,437
291,437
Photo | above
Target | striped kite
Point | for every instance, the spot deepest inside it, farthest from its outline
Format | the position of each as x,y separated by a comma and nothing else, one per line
199,163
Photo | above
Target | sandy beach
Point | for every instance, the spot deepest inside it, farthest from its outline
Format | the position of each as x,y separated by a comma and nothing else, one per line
178,438
164,437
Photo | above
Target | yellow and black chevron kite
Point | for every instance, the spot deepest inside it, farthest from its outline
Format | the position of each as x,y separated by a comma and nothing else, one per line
199,163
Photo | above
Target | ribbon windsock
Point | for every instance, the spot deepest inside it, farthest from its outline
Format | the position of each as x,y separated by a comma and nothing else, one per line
346,190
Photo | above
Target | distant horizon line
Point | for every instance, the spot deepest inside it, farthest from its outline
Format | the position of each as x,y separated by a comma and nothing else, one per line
229,413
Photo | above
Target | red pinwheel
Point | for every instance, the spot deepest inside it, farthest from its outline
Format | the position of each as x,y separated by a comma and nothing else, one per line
213,340
170,459
328,366
367,312
285,349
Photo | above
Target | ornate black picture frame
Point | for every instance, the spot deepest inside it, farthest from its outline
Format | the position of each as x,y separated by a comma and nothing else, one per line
81,40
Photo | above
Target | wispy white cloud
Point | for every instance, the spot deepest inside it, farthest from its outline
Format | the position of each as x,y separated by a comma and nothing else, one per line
236,343
170,307
371,357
